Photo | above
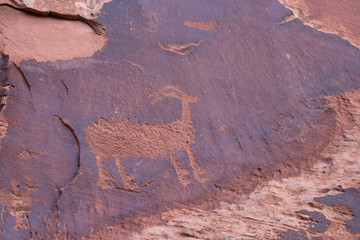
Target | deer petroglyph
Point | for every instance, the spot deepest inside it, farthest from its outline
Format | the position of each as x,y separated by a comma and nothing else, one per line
124,139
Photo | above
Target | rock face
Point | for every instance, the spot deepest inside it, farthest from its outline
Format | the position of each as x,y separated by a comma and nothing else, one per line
70,9
25,36
320,203
178,119
329,16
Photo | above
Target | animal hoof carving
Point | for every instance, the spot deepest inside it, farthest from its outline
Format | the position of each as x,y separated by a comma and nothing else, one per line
124,139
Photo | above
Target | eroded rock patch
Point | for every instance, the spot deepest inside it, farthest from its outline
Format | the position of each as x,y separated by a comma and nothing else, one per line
25,36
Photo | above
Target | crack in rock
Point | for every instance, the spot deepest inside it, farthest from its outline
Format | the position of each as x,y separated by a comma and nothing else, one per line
23,76
78,171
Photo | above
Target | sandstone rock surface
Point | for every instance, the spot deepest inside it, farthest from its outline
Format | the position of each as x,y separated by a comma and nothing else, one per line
25,37
329,16
179,119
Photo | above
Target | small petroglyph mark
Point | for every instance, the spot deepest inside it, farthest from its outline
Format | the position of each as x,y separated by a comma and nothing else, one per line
132,63
125,139
28,154
223,128
202,25
182,49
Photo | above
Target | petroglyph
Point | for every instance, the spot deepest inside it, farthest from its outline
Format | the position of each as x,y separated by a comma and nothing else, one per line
28,154
17,202
202,25
124,139
181,49
302,203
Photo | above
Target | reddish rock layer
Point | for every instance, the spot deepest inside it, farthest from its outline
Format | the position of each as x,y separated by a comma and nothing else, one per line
329,16
25,36
84,8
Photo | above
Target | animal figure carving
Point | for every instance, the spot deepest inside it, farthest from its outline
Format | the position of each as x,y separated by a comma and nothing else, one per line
124,139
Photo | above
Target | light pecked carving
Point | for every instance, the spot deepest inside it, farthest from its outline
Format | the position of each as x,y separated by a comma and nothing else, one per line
124,139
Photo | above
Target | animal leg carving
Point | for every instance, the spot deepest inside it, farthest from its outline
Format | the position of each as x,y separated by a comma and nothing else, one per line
181,173
126,178
103,175
197,170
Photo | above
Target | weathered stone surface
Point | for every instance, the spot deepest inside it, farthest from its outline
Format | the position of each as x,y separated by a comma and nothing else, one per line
83,8
25,36
206,119
329,16
300,207
80,10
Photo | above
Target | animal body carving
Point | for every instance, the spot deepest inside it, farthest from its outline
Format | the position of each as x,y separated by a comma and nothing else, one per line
123,139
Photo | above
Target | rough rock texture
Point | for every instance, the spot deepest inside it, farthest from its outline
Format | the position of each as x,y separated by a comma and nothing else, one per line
194,119
84,8
25,36
321,202
329,16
